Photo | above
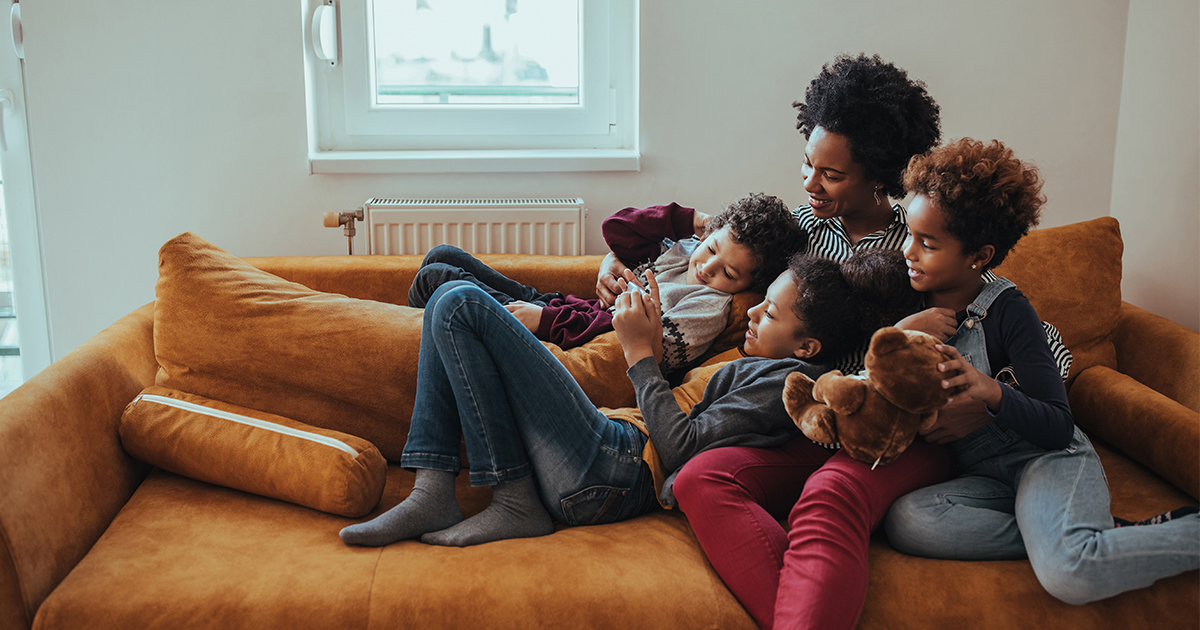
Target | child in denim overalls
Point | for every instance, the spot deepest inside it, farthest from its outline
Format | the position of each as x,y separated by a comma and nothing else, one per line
1032,485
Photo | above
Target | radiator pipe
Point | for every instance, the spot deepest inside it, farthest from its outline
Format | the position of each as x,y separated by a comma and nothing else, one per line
334,219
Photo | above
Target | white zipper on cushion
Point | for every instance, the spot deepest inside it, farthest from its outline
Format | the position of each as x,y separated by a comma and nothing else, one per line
247,420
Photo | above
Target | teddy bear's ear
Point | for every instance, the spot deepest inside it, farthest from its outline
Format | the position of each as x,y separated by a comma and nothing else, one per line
814,419
928,420
888,339
798,394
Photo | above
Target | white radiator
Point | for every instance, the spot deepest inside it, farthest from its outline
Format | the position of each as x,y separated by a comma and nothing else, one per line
480,226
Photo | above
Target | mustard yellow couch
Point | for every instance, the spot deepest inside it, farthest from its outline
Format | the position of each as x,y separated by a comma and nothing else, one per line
91,538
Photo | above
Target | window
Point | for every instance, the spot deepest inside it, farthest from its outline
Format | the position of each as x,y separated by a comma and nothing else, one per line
473,85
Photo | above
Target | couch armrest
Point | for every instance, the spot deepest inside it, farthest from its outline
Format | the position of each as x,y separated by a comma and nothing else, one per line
1159,353
64,475
1146,425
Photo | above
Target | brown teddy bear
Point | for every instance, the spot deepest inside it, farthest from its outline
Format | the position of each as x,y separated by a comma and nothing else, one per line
873,417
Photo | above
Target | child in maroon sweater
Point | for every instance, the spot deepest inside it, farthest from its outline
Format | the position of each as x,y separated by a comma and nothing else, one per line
743,248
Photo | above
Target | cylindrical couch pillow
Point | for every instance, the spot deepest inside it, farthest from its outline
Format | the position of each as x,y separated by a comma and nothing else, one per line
253,451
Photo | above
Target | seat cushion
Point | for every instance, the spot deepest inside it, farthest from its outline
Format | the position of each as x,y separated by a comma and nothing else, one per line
186,554
906,592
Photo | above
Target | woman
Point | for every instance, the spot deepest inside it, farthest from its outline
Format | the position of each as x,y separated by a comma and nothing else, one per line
864,119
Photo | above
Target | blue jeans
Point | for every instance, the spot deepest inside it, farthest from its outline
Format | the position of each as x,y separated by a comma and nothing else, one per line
484,377
446,263
1016,500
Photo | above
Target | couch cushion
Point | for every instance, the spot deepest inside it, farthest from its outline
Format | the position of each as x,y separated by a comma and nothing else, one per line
647,572
1072,276
227,331
253,451
185,554
906,592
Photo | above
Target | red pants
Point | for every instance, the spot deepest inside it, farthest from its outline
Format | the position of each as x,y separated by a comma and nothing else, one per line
814,575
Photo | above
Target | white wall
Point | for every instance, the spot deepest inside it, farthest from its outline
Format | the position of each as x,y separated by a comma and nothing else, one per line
1156,177
150,118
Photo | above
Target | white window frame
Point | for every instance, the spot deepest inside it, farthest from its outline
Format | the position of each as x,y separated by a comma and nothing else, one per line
348,133
21,208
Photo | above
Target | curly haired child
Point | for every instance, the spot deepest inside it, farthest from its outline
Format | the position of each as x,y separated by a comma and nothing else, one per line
1031,483
530,432
745,247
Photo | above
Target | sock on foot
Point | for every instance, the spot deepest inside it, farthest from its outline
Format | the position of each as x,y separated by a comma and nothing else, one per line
516,512
430,507
1159,519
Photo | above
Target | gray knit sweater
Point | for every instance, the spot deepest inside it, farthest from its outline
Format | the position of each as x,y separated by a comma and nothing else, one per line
693,314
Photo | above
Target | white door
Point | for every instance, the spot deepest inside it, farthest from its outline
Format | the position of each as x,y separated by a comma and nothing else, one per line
20,201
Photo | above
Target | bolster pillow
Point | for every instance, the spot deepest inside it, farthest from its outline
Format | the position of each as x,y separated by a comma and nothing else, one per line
254,451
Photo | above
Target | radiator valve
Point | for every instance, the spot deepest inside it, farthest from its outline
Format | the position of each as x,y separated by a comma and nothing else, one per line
334,219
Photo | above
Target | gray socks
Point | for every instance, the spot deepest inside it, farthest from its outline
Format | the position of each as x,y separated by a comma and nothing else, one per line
516,512
430,507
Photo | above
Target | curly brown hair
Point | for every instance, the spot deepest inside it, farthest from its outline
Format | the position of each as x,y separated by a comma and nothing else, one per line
878,278
825,306
987,195
764,224
886,116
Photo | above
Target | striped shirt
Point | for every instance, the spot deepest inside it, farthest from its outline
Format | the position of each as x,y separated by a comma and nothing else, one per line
827,238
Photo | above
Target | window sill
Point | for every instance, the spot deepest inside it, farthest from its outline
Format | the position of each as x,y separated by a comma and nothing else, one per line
512,161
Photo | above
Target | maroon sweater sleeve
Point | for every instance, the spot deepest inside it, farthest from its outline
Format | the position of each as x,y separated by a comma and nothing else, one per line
634,234
570,321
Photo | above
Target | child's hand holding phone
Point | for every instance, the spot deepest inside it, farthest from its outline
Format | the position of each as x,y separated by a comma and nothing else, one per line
638,319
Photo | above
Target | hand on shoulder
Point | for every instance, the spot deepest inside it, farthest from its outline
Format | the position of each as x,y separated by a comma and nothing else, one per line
938,322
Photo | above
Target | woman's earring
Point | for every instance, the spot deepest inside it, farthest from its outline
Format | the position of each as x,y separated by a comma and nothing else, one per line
877,200
974,266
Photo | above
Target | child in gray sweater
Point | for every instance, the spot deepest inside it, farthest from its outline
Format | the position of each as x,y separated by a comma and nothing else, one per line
531,433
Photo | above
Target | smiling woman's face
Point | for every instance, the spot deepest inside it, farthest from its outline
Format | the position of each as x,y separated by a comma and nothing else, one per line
837,186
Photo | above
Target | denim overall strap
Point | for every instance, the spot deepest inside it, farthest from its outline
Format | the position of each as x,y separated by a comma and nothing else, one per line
969,338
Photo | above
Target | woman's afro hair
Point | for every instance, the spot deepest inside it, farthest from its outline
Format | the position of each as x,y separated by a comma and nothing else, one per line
887,117
987,195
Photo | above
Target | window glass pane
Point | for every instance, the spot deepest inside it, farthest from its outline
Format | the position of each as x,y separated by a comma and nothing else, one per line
10,352
475,52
